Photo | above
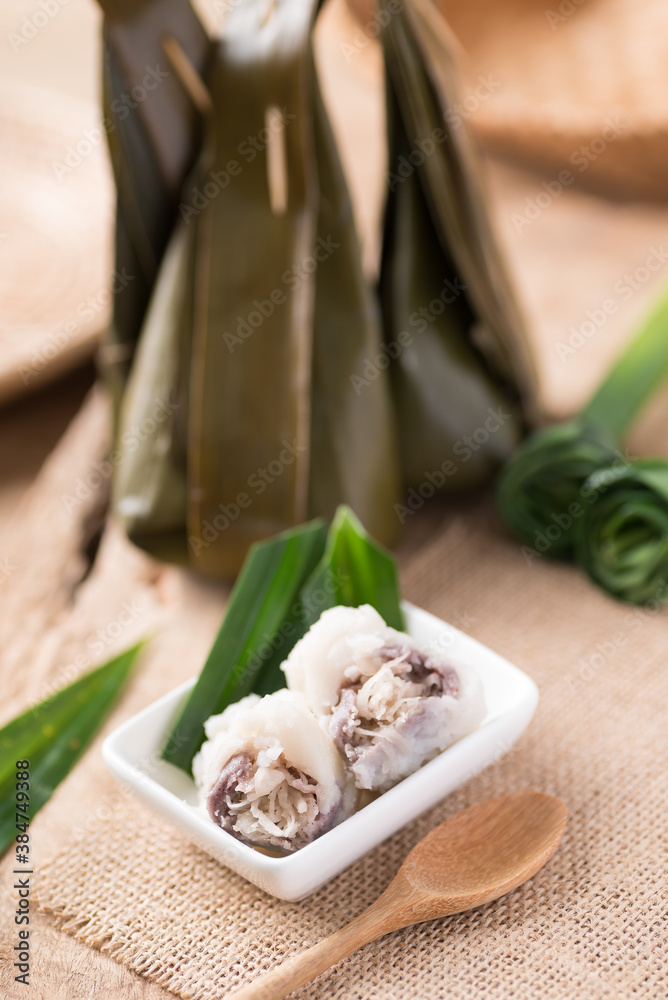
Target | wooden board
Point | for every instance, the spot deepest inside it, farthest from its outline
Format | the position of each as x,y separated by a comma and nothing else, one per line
56,205
571,84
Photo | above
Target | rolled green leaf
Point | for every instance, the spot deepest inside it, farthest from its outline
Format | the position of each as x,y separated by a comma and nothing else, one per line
543,480
53,736
262,600
622,539
539,492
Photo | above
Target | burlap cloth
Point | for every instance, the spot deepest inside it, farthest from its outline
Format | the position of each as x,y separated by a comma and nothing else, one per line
590,925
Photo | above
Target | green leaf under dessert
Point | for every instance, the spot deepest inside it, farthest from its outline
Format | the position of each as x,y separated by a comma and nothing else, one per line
263,598
285,585
354,570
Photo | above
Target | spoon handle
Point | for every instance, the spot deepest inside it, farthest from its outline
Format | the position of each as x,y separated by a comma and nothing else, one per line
372,923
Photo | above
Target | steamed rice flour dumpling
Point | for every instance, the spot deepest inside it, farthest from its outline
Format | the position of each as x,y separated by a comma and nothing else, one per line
366,706
269,775
389,705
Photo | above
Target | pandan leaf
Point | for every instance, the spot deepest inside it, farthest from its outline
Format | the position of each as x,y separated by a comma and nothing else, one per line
262,600
53,736
540,491
353,439
621,541
150,484
249,435
153,131
276,321
354,570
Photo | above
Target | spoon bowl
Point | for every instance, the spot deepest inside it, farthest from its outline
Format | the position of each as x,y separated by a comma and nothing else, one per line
486,850
472,858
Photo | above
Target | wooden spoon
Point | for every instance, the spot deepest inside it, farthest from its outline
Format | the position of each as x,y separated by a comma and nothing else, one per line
474,857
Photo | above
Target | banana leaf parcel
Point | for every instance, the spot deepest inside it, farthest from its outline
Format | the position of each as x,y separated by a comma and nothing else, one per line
153,134
239,418
463,376
243,411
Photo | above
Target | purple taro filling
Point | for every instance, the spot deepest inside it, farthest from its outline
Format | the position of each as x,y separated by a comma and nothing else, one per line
389,722
270,804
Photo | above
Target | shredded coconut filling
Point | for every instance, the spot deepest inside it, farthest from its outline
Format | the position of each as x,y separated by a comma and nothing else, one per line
267,801
385,715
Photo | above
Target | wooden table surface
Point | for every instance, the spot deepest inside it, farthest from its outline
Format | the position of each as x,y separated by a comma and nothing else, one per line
51,606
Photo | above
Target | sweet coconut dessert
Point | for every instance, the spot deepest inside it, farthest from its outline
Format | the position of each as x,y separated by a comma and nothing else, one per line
388,705
270,775
365,707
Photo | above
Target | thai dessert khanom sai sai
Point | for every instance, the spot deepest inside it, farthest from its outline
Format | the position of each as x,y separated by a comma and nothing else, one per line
389,705
270,775
365,707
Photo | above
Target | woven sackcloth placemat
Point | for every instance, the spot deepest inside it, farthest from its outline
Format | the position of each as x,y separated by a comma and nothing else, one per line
590,925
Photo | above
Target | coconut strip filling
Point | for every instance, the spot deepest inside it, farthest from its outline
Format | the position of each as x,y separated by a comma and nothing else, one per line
267,801
382,710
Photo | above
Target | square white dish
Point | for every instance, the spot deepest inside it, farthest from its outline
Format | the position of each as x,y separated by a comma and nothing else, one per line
132,754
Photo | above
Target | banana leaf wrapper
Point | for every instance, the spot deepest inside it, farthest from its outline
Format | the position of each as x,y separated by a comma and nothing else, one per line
621,541
281,318
153,133
443,387
150,487
467,368
355,452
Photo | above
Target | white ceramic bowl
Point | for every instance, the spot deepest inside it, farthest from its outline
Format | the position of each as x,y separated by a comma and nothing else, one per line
132,754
